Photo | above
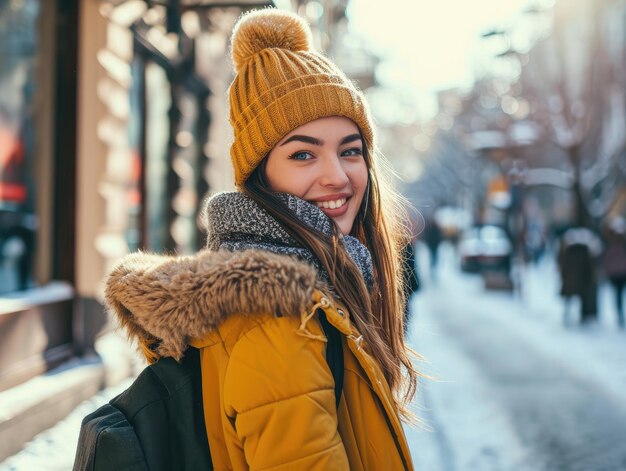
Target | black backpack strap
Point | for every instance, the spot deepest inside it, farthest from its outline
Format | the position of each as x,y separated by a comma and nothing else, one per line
334,354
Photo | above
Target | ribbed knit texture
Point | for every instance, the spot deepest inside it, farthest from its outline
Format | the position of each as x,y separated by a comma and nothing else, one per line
236,222
281,84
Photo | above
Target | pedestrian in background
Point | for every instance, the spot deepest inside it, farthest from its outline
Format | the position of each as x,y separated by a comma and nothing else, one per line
614,262
579,249
433,236
307,249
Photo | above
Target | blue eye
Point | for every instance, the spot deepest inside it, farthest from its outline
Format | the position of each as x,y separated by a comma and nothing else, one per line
352,152
300,156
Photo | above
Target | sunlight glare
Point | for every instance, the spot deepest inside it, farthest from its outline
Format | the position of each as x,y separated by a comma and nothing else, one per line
428,45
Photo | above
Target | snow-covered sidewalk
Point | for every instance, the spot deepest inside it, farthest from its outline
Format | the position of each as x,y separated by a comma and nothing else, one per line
539,310
54,449
470,431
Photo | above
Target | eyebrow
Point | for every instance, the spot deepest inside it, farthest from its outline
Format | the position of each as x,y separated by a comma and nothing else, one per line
350,138
308,139
318,142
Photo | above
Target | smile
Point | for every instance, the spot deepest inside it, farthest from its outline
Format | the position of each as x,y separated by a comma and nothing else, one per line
331,204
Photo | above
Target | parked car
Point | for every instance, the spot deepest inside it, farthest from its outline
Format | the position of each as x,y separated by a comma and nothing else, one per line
485,248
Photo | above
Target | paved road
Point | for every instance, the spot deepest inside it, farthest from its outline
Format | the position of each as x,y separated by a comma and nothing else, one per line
507,396
54,449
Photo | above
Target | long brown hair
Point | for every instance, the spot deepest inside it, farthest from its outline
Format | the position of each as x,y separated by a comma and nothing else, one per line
381,226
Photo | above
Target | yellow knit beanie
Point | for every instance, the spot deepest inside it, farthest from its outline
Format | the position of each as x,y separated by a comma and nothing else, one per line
280,84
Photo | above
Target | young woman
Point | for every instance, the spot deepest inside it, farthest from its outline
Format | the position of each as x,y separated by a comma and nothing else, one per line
310,239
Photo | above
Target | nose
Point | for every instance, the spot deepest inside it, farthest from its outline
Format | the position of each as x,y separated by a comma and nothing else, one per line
332,172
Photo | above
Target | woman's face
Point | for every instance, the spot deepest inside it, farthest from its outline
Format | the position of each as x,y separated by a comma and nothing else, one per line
322,162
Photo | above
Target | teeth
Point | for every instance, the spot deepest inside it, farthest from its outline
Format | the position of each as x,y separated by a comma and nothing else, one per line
332,204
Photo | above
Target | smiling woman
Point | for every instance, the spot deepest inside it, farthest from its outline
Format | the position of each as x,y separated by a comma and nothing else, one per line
296,307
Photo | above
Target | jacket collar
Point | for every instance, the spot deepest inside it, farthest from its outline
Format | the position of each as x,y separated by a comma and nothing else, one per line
164,301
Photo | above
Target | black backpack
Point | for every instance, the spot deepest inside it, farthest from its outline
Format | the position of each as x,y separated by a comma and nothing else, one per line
158,422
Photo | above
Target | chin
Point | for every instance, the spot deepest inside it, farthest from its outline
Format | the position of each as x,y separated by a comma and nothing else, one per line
344,227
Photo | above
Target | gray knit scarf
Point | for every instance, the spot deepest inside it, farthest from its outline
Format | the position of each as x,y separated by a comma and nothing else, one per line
236,222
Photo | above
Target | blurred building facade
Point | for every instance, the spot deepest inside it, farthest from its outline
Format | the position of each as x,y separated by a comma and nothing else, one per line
539,139
37,168
113,128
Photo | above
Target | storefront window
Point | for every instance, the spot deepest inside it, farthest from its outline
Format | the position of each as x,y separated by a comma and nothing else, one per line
158,103
18,221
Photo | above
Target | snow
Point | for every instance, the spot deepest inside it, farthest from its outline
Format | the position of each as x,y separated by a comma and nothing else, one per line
468,429
54,449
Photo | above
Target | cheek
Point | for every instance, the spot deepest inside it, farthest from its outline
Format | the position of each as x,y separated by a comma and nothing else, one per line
273,177
284,178
359,179
275,173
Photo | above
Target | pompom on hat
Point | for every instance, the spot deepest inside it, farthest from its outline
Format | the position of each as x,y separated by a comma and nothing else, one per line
282,83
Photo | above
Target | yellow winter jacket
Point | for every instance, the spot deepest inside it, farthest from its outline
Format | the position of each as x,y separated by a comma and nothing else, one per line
269,400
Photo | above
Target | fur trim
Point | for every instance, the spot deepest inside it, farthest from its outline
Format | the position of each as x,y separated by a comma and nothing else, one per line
165,301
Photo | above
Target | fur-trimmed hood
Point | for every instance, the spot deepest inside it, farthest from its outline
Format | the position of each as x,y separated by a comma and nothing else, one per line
164,301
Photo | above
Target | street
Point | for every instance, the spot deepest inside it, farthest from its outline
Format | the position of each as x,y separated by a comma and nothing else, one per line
512,388
493,130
